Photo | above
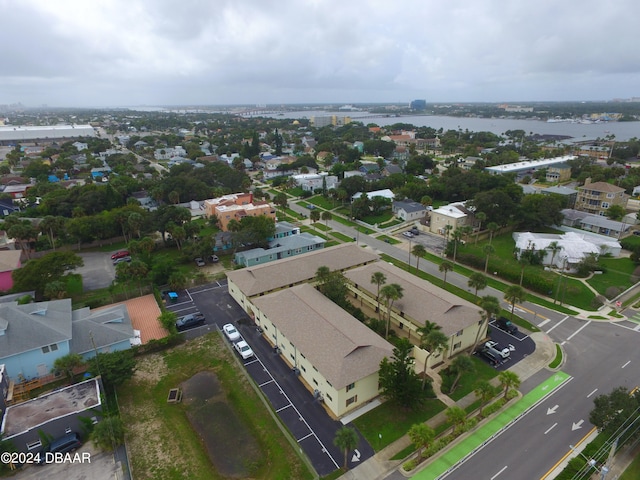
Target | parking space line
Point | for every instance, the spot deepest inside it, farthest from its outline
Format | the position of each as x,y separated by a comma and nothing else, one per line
283,408
305,437
324,449
265,383
252,361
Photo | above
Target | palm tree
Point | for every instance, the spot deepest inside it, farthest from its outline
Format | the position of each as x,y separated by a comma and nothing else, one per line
314,216
490,307
390,293
481,216
433,342
378,278
456,236
460,365
492,227
508,380
555,248
487,250
418,251
445,267
346,439
456,416
326,216
478,281
485,392
421,436
514,294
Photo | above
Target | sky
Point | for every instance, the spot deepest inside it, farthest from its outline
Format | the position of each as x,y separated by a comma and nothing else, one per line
109,53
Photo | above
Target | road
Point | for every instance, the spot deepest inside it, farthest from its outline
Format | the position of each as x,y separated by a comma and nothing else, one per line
599,356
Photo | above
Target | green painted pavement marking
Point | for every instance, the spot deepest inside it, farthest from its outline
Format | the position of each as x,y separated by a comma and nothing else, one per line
635,318
452,456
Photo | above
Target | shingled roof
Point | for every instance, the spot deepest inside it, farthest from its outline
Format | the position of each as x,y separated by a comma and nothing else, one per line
342,348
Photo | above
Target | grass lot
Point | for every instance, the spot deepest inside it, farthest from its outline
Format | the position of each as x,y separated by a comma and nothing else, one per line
468,380
342,237
393,422
558,360
310,230
388,239
383,217
320,201
633,471
618,274
396,221
295,192
161,441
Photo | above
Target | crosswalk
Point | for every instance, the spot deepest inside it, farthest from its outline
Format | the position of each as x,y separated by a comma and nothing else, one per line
635,319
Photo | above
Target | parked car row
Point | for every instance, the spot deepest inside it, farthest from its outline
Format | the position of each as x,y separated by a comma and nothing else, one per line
240,345
494,353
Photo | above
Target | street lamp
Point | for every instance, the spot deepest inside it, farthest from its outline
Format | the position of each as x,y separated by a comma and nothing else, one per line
409,255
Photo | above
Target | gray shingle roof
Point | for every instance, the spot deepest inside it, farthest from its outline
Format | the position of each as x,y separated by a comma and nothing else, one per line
337,344
421,300
290,271
34,325
108,326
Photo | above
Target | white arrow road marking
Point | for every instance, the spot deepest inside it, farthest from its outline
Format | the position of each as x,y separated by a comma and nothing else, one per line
546,387
356,456
576,426
552,409
551,428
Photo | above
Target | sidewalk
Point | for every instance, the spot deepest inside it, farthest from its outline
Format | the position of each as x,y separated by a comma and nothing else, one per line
381,465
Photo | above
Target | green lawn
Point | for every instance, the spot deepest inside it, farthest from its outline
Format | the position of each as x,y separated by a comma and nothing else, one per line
382,217
618,274
385,424
390,240
396,221
469,380
633,471
325,203
342,237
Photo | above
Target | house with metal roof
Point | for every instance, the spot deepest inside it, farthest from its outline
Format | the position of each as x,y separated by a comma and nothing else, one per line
279,248
13,134
34,335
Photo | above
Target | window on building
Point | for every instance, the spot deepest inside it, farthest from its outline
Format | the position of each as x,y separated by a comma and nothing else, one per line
45,349
329,397
457,345
458,333
351,386
315,381
53,347
351,400
34,445
302,368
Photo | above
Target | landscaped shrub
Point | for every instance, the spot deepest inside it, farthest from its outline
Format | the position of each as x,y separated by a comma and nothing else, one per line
410,464
612,292
494,407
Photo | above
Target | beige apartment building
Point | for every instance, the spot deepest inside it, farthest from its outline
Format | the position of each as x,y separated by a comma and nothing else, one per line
235,207
597,197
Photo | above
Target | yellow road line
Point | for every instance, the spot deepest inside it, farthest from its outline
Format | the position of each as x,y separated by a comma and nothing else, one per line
568,453
536,314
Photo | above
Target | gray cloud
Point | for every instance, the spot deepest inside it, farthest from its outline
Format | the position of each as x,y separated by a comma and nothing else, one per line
117,52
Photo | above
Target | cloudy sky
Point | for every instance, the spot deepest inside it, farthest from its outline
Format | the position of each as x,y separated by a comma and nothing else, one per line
203,52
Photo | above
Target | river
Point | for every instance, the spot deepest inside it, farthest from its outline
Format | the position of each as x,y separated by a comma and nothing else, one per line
622,130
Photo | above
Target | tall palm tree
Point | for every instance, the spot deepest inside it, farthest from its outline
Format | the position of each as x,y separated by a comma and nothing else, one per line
492,227
508,380
490,307
514,294
421,436
481,216
418,251
478,281
390,293
314,216
487,250
433,342
485,392
460,365
445,267
555,248
456,416
326,216
346,439
456,236
378,279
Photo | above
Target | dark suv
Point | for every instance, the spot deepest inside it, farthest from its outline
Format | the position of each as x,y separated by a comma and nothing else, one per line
506,325
190,321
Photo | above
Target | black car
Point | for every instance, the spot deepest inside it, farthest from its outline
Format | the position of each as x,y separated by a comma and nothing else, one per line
506,325
189,321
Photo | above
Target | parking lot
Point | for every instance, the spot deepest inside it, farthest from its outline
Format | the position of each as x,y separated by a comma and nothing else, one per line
519,344
304,416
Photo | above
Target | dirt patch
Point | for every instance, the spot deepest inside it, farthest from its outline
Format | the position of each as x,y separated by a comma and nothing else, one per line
228,441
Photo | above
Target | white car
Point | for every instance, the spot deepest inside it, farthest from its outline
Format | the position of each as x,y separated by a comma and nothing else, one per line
407,234
231,332
243,349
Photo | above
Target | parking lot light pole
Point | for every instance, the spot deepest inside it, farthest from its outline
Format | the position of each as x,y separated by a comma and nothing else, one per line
409,255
